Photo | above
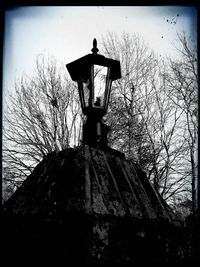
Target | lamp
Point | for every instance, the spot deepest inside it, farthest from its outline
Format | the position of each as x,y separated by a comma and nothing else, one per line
94,74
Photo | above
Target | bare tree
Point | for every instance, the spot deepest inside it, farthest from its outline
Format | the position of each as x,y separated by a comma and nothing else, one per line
137,62
163,120
41,117
183,83
147,123
152,113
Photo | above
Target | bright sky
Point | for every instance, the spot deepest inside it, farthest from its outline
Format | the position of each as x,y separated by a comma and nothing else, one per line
67,32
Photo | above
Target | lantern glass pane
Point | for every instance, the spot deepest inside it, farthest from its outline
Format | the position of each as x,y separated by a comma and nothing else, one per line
86,92
100,74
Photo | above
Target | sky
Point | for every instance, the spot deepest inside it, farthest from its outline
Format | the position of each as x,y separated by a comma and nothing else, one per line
67,32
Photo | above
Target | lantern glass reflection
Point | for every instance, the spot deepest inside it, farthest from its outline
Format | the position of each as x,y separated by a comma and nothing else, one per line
86,92
100,77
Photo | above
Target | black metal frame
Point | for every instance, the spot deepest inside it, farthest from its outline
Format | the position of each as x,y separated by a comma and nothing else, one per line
81,71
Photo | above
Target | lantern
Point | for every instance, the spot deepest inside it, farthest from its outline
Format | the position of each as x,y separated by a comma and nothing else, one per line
94,74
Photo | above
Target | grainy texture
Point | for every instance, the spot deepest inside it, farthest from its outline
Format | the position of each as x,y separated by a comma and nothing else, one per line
85,205
92,181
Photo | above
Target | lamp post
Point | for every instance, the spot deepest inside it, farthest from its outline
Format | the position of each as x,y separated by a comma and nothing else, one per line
94,74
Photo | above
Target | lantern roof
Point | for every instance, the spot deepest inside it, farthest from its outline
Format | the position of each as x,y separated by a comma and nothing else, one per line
80,68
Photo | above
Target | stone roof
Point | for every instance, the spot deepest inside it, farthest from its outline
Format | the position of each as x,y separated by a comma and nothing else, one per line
91,181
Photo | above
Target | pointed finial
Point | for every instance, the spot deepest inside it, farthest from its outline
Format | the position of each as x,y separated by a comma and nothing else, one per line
95,49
